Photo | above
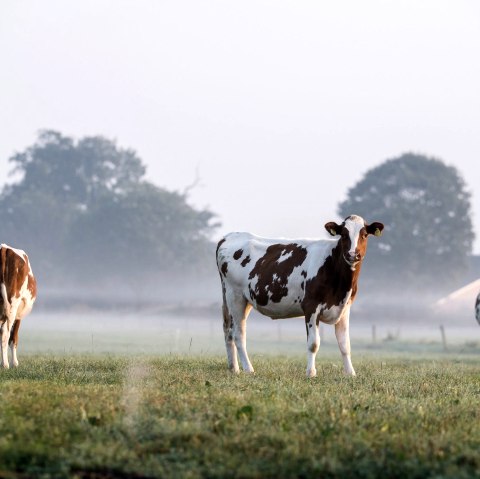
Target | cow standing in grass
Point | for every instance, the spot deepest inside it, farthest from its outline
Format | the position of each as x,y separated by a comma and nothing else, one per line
288,278
18,290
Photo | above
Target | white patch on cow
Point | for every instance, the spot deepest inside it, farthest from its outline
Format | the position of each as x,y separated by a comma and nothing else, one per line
354,224
3,291
284,256
333,314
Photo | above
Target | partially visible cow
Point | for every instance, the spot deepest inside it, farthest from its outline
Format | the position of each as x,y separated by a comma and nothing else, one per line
288,278
477,308
18,290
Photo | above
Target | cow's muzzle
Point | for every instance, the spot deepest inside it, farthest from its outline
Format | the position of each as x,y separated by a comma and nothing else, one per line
352,259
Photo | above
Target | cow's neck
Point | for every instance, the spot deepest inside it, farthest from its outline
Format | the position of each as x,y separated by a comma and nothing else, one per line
333,281
343,276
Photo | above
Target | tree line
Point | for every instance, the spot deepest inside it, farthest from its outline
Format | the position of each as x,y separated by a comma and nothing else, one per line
85,213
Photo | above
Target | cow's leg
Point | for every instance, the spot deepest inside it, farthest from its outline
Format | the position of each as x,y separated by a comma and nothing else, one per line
239,309
240,337
313,343
7,326
14,341
229,342
342,333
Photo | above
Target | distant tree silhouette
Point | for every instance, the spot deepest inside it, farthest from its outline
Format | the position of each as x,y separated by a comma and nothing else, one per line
82,210
425,207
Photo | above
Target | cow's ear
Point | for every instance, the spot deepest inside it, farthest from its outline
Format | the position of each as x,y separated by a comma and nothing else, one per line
375,228
333,228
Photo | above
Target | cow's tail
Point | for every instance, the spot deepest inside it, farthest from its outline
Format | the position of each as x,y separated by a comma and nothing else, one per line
219,252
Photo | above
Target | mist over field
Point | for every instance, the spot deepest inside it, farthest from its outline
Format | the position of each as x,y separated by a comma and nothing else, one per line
135,135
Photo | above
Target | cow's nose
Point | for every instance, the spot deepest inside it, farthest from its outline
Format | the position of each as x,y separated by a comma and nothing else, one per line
354,256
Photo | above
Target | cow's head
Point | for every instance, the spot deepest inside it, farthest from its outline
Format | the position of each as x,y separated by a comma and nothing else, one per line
353,234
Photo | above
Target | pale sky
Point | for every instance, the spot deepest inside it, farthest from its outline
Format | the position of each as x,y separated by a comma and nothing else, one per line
280,105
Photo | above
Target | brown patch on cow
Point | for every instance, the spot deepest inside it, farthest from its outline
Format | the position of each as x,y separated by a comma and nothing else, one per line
32,285
269,266
304,273
224,268
245,261
331,283
238,254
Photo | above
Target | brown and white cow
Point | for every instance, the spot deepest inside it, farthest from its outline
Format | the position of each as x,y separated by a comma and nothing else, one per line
288,278
18,290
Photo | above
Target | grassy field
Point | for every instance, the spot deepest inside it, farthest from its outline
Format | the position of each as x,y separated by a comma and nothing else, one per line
179,416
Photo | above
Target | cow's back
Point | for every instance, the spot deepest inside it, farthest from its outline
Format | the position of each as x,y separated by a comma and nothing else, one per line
238,254
270,273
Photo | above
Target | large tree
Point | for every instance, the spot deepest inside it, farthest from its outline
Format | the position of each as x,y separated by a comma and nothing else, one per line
425,206
75,172
83,211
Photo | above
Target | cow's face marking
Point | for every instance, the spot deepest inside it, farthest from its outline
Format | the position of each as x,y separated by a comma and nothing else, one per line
238,254
272,271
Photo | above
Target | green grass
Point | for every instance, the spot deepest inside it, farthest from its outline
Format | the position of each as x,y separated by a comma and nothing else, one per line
172,416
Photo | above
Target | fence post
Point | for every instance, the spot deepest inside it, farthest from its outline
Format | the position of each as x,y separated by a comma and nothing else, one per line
444,338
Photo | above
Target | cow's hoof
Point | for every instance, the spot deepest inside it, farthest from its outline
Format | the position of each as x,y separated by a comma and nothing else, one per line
312,373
